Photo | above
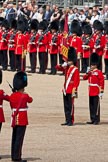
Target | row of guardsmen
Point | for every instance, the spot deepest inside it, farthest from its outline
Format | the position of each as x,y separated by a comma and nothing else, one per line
44,39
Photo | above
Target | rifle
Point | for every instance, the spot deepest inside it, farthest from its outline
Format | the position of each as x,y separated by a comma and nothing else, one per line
13,90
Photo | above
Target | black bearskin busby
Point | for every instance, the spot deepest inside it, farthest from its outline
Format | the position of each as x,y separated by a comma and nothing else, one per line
87,30
5,24
42,25
34,24
13,24
20,80
94,59
106,27
1,76
21,25
55,25
98,25
62,23
72,55
76,28
1,20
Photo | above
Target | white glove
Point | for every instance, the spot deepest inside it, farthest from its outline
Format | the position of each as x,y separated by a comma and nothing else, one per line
100,95
64,64
88,69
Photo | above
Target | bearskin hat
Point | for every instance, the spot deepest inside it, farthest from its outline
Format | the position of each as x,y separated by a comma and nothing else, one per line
72,55
76,28
1,76
34,24
42,25
98,25
62,23
13,24
5,24
1,20
20,80
21,25
106,27
94,59
55,25
87,30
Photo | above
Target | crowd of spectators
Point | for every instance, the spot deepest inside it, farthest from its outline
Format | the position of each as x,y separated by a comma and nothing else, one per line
50,13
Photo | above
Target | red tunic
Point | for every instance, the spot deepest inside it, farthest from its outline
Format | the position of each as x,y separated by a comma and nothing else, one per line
96,82
76,42
106,48
101,39
3,96
4,40
11,40
87,51
20,44
74,81
54,42
32,44
20,99
43,43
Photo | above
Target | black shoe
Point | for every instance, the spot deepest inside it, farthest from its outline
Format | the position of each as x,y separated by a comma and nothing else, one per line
0,158
19,160
96,123
63,124
69,124
91,122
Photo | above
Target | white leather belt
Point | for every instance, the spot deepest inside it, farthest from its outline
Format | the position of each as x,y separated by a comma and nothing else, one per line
93,85
1,106
22,109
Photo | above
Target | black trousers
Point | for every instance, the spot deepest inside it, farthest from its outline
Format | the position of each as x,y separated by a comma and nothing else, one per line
12,60
17,142
42,62
61,61
53,58
0,126
106,66
94,106
4,59
20,63
85,64
68,107
33,60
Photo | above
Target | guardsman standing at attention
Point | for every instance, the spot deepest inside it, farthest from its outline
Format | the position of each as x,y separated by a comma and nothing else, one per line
11,45
4,44
87,47
75,40
42,46
72,80
99,42
54,43
32,45
20,46
96,88
18,103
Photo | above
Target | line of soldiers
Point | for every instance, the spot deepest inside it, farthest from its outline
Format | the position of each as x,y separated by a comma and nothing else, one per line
44,39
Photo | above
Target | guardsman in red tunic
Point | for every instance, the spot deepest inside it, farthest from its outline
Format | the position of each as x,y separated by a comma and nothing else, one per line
96,89
71,84
32,45
75,40
42,46
54,43
1,20
18,103
87,47
11,45
3,96
20,46
4,44
99,42
106,50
